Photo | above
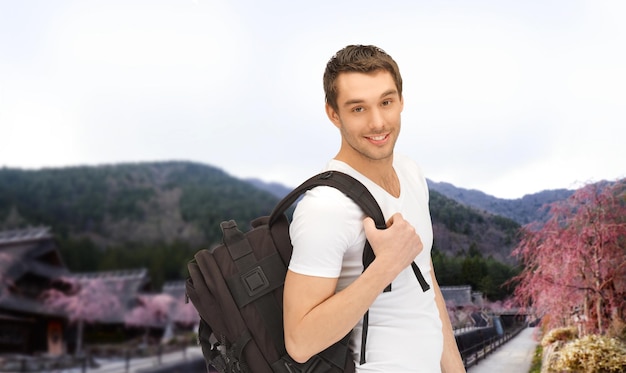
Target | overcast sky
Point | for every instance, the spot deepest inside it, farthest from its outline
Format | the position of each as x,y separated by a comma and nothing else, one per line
507,97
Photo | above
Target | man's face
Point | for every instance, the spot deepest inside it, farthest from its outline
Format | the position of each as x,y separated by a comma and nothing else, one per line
368,116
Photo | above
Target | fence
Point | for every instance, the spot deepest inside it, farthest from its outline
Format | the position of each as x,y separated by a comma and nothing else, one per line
138,359
130,360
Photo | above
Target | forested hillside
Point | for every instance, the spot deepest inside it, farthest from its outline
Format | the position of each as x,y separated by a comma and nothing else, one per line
459,228
153,215
523,210
156,215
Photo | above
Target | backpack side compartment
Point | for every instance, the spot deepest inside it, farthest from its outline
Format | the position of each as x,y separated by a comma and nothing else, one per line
209,292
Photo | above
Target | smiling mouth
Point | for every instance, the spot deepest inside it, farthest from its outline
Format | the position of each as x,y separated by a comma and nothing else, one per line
377,138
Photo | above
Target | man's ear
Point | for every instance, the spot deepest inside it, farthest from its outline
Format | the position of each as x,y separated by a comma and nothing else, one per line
333,115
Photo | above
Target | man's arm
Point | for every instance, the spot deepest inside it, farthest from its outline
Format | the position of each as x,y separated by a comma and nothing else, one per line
451,361
315,316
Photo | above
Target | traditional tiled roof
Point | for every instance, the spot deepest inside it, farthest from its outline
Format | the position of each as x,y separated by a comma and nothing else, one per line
27,306
24,235
138,275
182,311
478,298
175,288
17,261
27,257
460,296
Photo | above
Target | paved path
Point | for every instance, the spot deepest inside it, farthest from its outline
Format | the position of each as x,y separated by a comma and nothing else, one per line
515,356
137,365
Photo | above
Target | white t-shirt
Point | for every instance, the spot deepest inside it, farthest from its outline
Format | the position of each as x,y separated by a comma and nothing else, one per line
327,233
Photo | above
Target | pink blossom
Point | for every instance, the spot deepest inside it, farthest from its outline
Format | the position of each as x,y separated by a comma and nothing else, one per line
86,300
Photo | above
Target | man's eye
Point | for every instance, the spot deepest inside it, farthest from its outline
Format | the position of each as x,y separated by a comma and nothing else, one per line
386,103
358,109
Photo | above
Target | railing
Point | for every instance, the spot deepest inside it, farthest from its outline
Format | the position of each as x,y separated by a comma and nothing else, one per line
137,358
473,354
464,329
131,360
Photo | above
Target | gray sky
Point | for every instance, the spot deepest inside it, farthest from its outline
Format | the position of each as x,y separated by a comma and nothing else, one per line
507,97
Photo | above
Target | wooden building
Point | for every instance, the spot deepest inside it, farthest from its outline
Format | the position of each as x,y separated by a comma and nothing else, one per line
29,261
30,264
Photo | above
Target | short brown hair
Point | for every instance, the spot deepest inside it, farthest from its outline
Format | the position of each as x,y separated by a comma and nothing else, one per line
358,58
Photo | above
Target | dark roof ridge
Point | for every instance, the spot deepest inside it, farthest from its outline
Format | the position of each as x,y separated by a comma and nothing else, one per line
120,273
24,235
456,287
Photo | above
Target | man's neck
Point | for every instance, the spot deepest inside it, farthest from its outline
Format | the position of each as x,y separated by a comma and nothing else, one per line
380,172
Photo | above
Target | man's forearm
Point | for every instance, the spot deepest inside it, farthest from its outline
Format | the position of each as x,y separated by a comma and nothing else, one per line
310,328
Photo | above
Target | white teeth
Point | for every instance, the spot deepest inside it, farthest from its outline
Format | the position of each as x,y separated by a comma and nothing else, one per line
377,138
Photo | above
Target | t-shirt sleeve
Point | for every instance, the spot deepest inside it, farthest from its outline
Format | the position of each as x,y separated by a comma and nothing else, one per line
325,223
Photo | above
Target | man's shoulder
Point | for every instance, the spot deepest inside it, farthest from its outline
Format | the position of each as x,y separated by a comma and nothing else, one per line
325,198
328,207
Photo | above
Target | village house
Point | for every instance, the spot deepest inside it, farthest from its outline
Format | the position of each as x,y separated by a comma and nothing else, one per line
29,261
465,307
30,265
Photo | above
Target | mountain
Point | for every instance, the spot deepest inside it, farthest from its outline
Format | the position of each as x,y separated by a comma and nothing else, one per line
117,204
158,214
522,210
459,229
276,189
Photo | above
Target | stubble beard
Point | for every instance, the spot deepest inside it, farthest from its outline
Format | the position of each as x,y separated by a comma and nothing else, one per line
361,148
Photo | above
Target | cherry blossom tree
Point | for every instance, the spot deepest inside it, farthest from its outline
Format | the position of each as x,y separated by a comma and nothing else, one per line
498,306
84,300
185,313
575,263
152,311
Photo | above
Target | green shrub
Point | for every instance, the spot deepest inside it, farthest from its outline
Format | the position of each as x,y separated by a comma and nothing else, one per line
535,366
592,354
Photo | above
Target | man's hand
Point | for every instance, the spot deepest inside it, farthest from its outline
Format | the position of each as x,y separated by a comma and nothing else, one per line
397,246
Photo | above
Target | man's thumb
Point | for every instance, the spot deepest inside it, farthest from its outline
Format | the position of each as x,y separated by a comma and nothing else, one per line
369,225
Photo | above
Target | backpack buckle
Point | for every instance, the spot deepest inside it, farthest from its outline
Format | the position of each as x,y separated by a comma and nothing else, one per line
255,281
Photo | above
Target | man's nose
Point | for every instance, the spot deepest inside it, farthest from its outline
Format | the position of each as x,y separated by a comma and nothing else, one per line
376,120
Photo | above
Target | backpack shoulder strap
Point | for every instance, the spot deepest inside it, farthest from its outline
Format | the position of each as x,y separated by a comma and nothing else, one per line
339,180
352,188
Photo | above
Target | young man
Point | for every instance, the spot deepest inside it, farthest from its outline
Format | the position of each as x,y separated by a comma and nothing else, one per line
326,292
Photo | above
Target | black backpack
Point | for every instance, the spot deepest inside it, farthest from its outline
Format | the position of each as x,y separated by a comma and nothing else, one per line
237,289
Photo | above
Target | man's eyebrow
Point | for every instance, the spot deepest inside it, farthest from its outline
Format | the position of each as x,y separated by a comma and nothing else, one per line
389,93
360,100
353,102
